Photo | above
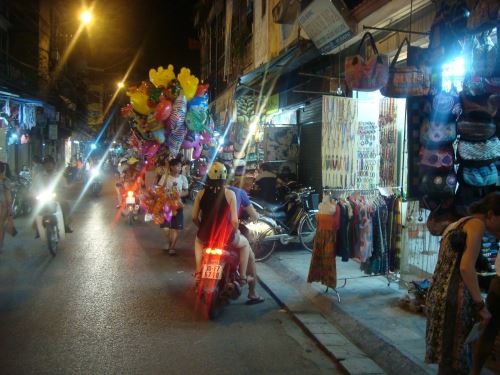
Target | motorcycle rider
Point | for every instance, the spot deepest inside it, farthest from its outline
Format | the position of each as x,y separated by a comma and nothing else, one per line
50,177
215,215
128,174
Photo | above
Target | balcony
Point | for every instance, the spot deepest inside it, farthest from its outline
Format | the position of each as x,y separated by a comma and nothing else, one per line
18,75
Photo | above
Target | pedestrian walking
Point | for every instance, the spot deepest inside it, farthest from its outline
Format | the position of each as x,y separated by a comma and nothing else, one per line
454,301
174,181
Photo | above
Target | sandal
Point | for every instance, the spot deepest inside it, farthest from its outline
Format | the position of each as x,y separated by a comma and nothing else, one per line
254,301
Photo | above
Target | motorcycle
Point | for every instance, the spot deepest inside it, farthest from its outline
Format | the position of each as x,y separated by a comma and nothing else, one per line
219,279
95,181
131,211
293,220
22,203
49,220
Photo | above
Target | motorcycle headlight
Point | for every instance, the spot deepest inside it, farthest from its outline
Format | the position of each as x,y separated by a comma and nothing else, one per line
94,172
46,196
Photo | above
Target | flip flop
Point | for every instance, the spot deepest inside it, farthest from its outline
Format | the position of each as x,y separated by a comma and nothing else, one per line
254,301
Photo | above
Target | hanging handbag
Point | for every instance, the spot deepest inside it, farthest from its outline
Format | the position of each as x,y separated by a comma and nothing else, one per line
435,135
474,85
440,218
439,159
439,184
479,151
484,56
448,28
406,80
486,175
366,75
476,126
482,103
492,85
445,108
483,14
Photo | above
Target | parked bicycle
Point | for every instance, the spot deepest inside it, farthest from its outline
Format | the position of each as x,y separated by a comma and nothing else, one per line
294,220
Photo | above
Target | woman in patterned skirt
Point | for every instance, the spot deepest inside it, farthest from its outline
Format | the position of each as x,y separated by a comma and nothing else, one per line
454,300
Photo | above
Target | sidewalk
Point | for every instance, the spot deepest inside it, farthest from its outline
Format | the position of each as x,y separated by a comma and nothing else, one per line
367,332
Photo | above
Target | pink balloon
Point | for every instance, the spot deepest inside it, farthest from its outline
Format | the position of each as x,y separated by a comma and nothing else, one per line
197,150
163,110
206,137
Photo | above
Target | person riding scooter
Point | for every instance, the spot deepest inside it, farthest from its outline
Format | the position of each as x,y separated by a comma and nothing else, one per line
215,213
50,177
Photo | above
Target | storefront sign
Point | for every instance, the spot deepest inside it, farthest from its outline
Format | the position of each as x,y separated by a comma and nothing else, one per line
324,25
288,117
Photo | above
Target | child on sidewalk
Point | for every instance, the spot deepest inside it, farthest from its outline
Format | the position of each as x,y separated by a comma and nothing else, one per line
174,181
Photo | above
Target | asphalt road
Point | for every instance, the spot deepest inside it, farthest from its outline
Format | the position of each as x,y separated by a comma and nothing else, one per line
113,302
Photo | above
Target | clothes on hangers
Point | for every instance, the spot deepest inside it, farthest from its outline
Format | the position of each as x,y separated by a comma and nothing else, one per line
369,229
323,267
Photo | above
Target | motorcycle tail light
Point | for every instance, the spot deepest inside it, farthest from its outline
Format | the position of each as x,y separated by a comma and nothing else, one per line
213,251
130,193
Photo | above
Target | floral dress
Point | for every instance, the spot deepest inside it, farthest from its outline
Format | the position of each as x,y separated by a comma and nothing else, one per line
450,314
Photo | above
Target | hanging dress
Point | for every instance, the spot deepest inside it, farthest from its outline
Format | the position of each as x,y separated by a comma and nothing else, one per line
323,266
450,314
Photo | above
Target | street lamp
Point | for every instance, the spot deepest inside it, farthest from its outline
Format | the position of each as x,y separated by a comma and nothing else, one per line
120,85
86,17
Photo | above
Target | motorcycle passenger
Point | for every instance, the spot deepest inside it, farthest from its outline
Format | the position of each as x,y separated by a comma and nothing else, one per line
215,215
265,183
128,174
50,177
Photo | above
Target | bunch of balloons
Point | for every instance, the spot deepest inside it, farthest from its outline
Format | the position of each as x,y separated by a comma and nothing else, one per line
170,110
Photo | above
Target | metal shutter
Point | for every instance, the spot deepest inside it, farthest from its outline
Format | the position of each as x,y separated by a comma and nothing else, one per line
310,173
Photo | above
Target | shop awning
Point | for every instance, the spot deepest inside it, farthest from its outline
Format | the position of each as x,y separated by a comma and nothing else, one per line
264,77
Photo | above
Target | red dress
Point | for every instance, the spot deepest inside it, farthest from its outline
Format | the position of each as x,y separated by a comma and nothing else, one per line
323,266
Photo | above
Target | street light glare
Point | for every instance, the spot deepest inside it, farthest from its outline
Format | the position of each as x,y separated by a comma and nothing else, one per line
86,17
120,85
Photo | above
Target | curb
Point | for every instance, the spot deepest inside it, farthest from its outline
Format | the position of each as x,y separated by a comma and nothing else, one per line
302,326
349,359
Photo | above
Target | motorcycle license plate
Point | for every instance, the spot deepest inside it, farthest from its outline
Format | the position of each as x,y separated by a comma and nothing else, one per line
212,271
130,200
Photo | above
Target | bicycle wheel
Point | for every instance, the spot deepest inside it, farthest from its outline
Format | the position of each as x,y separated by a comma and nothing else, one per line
307,230
258,238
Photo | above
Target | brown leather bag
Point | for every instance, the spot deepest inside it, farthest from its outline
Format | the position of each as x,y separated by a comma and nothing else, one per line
366,75
406,80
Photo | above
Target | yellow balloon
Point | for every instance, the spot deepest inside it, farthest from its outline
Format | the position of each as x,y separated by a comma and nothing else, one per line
189,83
161,77
139,101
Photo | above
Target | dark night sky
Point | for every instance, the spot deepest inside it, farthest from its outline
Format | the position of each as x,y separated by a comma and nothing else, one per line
158,29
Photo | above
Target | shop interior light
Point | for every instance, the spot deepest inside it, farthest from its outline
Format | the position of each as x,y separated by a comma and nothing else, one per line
455,68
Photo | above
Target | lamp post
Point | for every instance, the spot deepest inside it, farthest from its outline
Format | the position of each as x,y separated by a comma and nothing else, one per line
86,17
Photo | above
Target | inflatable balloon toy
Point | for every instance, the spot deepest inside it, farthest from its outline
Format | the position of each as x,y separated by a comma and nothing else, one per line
197,115
202,89
189,83
163,109
175,139
162,77
139,101
159,136
178,114
173,90
127,110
